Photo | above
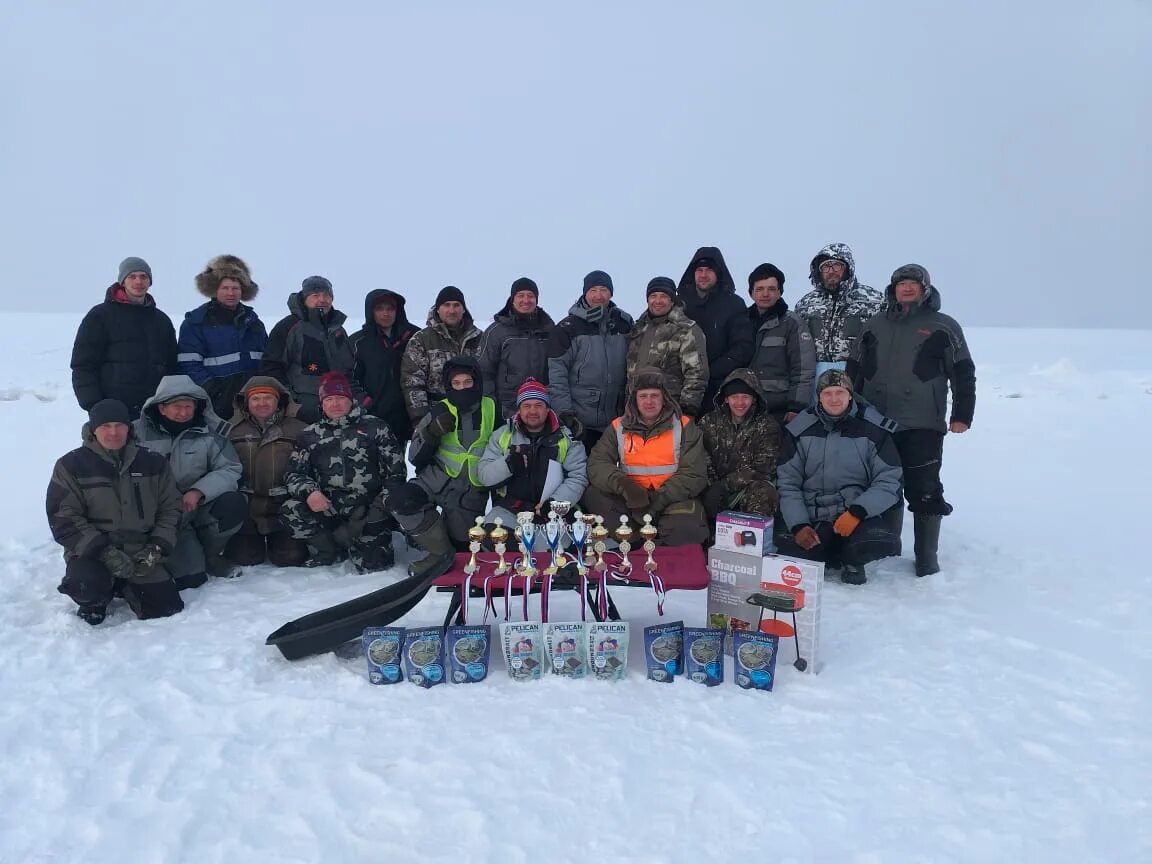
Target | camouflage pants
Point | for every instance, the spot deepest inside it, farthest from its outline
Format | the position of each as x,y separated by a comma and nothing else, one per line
760,498
363,530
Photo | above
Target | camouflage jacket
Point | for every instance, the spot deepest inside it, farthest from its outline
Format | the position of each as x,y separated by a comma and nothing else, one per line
355,459
675,345
836,318
422,368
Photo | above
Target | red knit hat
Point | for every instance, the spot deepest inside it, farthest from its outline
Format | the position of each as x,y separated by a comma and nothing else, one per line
532,389
335,384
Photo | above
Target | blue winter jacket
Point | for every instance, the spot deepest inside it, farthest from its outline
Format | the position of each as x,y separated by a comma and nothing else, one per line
218,343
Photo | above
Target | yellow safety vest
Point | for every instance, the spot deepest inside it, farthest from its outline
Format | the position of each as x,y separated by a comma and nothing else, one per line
453,455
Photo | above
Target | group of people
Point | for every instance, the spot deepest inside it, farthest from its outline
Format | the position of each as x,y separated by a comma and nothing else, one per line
226,445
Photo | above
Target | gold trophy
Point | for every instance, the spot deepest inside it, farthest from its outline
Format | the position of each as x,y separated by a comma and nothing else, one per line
476,535
526,534
599,535
648,532
589,520
499,536
623,536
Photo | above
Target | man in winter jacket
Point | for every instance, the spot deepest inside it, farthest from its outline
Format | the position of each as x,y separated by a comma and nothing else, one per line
178,423
666,339
114,507
709,296
588,360
533,460
743,442
904,363
837,307
653,461
264,434
446,448
125,345
309,343
449,333
338,480
222,342
515,346
378,347
838,477
784,355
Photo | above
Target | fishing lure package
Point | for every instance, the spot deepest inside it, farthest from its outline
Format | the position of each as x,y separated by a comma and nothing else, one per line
424,656
664,651
704,655
467,650
567,647
754,659
608,649
382,648
523,645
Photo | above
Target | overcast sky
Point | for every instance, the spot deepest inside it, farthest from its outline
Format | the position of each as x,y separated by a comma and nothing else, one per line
1003,145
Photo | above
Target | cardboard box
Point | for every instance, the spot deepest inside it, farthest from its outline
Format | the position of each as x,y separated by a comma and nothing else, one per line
746,533
776,584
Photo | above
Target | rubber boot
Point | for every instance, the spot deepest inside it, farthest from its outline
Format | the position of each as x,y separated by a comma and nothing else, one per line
432,537
853,574
324,550
927,530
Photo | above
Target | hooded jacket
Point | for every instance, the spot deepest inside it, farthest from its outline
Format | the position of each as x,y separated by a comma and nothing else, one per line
550,477
264,450
906,359
422,368
784,358
127,499
605,470
743,455
588,363
305,345
515,347
121,351
722,317
378,357
220,348
201,455
836,318
829,464
675,345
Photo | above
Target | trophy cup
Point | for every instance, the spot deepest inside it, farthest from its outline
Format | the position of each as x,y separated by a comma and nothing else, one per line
599,535
589,520
554,531
476,535
499,536
526,531
623,535
579,541
648,532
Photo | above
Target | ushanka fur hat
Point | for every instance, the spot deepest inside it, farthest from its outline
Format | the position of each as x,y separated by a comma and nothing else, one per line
226,267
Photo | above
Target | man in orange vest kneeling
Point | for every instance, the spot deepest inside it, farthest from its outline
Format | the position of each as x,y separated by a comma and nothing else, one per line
652,460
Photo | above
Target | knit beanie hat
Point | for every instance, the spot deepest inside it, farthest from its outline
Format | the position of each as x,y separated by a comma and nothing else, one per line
766,271
133,265
736,386
315,285
661,284
524,284
833,378
109,411
598,277
532,389
450,294
335,384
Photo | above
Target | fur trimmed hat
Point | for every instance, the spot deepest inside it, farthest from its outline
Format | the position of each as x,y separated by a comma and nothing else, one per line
226,267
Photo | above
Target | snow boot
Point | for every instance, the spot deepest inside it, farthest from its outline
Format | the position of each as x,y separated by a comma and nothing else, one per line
432,537
927,531
190,580
323,549
92,614
853,574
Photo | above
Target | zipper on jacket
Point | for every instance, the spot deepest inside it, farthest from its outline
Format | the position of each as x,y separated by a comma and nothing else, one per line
139,501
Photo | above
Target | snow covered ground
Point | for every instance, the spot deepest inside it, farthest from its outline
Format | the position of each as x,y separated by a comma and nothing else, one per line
999,711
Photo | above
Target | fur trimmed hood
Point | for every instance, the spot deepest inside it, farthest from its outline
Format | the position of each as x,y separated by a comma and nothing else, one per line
226,267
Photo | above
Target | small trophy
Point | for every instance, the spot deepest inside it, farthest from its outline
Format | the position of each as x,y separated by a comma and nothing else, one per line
623,536
579,541
589,520
554,531
499,536
648,532
599,535
476,535
526,531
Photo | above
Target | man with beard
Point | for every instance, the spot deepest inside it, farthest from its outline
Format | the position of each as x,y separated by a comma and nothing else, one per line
449,333
515,346
784,357
378,347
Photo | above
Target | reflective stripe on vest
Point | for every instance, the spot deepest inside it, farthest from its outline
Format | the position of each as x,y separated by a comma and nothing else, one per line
506,442
453,455
652,459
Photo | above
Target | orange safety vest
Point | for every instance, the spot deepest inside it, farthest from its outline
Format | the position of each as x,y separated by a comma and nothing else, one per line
650,461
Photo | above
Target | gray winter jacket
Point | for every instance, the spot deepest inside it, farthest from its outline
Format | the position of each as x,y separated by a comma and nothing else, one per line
830,464
836,319
201,456
906,360
588,363
550,477
784,358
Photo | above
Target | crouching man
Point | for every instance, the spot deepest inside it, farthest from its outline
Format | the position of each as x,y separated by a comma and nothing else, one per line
179,423
115,508
653,461
839,480
338,481
532,461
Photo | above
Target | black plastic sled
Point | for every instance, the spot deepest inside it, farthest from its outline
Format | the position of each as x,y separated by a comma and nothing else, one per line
330,628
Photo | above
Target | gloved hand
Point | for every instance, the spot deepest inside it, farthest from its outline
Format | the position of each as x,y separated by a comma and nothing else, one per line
147,558
569,419
517,459
806,537
846,524
635,495
407,499
118,562
441,424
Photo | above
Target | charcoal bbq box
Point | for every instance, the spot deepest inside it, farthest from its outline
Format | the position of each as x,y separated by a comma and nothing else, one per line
768,594
746,533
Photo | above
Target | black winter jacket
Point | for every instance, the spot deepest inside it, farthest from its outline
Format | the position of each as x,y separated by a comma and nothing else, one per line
378,355
514,347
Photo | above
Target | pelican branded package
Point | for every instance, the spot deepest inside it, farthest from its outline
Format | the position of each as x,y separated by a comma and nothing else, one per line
382,648
467,650
523,643
608,650
774,594
746,533
664,651
567,649
424,656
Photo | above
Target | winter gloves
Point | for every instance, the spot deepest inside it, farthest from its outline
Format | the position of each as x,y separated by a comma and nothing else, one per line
408,499
148,558
517,459
118,562
849,520
441,424
635,495
806,537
